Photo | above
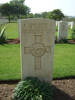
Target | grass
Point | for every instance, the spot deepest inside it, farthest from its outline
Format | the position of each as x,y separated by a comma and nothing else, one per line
64,61
64,57
12,31
9,62
69,33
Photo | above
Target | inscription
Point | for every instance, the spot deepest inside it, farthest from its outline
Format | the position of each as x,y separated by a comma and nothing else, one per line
33,27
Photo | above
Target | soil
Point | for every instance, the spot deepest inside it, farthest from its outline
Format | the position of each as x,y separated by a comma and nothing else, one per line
12,41
71,41
62,89
16,41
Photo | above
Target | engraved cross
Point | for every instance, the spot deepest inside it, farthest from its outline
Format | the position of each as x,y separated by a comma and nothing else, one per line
37,50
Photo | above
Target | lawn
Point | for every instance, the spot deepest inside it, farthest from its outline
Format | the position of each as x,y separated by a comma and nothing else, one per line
12,31
64,57
69,36
64,61
9,62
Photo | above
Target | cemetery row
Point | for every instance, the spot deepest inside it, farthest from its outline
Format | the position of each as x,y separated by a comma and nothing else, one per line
37,51
37,46
61,33
62,29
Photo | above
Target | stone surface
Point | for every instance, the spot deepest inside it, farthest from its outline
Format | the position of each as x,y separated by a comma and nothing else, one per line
72,24
57,23
37,44
69,24
62,30
3,21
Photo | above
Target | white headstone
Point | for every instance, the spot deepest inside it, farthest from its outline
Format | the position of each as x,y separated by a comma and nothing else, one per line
72,24
3,21
69,24
62,30
57,23
37,44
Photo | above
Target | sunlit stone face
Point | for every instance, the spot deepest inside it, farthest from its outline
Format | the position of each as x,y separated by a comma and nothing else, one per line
37,42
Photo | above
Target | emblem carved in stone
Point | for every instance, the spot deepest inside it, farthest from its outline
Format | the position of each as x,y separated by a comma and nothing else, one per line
37,49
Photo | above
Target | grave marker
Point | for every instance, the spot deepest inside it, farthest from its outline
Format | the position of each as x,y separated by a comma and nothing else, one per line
72,24
37,43
62,30
3,21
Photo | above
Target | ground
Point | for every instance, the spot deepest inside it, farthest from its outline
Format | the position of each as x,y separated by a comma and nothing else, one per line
62,89
64,66
16,41
64,61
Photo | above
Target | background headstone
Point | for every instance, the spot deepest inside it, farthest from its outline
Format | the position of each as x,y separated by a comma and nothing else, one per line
69,24
72,24
37,44
57,23
62,30
3,21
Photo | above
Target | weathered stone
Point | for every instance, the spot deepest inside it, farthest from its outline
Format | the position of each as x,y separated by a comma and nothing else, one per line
72,24
62,30
37,44
3,21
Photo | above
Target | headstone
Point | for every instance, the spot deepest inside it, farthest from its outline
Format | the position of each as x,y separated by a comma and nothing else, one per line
3,21
69,24
62,30
72,24
37,44
19,29
57,23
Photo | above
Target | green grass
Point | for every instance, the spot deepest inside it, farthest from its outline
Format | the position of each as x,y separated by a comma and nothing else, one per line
64,61
64,57
12,31
69,36
9,62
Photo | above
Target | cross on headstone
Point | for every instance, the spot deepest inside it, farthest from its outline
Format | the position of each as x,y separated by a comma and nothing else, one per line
38,49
